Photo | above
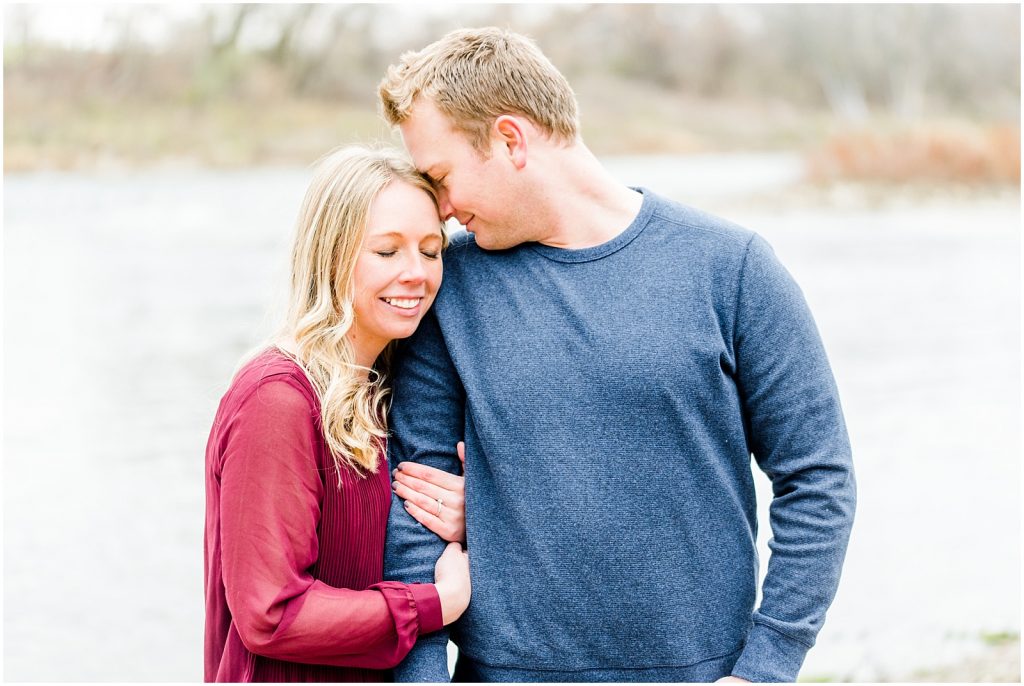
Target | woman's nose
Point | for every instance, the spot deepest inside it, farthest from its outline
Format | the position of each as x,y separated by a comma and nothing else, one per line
414,270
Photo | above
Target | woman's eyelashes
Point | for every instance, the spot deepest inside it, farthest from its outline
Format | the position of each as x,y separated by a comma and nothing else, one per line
429,253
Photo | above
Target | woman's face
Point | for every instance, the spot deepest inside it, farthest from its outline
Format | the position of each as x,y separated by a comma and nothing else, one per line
398,270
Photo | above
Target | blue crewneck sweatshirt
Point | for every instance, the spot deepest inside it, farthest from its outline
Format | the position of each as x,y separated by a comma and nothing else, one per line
611,399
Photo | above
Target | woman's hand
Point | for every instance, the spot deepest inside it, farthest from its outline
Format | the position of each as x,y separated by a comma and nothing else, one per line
451,578
434,498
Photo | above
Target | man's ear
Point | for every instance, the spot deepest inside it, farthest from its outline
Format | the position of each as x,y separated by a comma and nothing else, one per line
511,131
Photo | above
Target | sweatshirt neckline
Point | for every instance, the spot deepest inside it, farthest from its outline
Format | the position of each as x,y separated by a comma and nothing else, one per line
596,252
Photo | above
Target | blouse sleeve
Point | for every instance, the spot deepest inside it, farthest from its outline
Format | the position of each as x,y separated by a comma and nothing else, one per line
270,507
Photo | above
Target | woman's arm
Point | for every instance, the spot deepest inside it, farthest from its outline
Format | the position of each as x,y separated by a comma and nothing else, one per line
434,498
270,507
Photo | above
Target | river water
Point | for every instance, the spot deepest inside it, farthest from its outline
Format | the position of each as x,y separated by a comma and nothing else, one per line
129,298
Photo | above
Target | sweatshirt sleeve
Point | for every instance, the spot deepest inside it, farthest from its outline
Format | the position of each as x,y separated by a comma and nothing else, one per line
426,419
270,508
798,437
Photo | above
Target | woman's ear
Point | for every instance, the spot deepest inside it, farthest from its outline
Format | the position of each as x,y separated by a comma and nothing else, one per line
511,131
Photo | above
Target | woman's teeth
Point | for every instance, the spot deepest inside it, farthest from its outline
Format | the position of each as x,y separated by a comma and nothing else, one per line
404,303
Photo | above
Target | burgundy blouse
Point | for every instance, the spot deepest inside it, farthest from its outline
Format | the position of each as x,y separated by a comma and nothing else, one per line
293,563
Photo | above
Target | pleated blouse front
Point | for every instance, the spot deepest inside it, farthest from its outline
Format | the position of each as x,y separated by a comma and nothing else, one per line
293,560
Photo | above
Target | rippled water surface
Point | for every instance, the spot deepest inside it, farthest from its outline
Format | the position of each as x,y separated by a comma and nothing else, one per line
130,297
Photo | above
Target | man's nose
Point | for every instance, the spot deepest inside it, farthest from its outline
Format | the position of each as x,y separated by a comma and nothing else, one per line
445,205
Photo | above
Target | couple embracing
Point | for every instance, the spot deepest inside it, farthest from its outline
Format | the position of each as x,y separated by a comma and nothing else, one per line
547,458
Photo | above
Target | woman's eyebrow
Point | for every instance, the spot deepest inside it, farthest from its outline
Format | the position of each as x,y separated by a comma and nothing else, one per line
399,234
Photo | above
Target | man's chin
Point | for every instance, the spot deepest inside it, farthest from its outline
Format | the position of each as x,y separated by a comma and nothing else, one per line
487,242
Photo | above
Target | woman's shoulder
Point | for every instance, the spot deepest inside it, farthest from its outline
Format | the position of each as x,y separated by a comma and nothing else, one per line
270,400
271,376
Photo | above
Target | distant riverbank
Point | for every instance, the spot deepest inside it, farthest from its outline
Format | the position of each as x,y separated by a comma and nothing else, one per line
42,131
998,662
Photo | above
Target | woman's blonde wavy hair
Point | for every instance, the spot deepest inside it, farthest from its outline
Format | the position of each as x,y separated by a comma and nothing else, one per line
329,235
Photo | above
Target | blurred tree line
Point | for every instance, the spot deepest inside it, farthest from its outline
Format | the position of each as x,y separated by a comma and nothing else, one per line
654,64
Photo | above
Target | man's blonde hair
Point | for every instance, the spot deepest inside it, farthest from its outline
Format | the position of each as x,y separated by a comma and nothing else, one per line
474,76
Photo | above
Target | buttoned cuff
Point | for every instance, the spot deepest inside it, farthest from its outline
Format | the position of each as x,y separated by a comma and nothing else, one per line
428,607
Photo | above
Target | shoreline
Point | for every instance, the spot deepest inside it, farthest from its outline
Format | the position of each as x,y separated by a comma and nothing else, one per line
997,662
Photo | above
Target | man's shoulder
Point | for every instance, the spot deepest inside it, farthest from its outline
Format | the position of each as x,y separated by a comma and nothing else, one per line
460,238
460,242
462,249
466,264
693,224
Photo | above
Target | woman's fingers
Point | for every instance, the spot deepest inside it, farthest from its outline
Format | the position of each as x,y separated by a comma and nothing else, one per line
435,498
423,517
430,490
419,485
460,448
431,475
427,501
448,530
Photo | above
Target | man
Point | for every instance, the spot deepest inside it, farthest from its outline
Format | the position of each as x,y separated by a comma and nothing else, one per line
612,360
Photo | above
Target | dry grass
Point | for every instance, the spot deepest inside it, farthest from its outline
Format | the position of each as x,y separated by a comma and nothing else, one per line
83,130
223,134
999,663
960,153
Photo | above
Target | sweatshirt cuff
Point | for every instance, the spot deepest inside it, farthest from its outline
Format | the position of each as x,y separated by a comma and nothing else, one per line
770,656
428,607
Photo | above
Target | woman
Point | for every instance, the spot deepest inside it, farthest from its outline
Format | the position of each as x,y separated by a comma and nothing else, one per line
297,486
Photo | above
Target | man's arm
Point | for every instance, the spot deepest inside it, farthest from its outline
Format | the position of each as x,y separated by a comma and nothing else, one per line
797,434
426,421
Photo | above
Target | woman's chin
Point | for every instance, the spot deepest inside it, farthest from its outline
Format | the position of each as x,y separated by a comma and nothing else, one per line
404,331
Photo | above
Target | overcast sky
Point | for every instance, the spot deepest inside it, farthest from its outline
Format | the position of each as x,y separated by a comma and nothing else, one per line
97,25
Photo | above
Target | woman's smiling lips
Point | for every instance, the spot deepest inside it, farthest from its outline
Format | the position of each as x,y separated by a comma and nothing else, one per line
405,306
